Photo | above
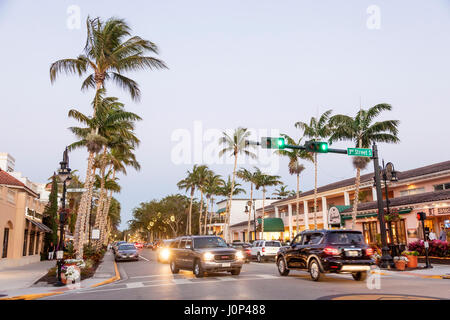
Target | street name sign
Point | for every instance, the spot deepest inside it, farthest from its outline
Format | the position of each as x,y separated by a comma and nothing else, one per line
359,152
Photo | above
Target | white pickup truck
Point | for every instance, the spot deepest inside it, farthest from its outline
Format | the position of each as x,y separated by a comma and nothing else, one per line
265,249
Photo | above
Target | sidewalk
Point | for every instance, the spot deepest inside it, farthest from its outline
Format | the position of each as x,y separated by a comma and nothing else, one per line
21,284
438,271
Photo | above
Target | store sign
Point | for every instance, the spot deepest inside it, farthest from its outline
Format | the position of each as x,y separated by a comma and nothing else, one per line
334,217
439,211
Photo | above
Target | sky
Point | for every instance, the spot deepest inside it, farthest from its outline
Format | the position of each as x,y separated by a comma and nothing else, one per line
261,64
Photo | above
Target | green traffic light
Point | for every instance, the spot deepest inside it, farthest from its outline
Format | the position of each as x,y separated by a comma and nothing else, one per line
280,143
324,146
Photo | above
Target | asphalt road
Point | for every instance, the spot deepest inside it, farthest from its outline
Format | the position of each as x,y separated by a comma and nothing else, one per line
147,279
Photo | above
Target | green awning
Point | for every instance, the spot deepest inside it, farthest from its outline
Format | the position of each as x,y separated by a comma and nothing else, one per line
221,210
342,208
374,214
272,224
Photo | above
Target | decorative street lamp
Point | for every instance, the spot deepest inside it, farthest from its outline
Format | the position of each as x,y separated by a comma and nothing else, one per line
250,204
64,176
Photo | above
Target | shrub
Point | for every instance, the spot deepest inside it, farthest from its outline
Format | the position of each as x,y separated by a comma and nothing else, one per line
436,248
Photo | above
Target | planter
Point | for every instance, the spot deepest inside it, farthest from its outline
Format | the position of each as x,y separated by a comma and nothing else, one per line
400,265
412,263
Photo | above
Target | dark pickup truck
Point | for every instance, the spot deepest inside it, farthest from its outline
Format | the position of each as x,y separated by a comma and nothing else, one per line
203,254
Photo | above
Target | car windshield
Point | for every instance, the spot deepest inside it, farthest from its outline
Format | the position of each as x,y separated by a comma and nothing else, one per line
209,242
345,238
272,244
127,247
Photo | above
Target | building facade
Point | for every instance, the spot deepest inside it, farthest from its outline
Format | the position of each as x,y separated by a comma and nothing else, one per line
424,189
21,228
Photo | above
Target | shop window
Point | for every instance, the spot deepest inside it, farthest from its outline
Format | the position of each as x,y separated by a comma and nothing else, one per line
31,246
410,192
398,232
442,186
370,232
5,243
25,242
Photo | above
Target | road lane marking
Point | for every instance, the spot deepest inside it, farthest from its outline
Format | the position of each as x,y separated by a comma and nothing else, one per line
133,285
144,258
267,276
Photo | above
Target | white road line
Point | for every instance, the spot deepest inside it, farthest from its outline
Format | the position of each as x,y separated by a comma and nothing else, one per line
181,281
133,285
144,258
267,276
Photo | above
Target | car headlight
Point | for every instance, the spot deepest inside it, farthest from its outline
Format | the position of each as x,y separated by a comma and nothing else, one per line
165,253
239,255
208,256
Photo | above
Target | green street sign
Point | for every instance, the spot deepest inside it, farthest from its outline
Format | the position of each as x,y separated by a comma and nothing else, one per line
359,152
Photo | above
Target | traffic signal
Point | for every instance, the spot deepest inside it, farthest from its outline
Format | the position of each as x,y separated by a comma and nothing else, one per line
316,146
421,216
272,143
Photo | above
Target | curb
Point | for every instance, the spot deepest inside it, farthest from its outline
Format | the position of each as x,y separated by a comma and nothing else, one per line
42,295
415,275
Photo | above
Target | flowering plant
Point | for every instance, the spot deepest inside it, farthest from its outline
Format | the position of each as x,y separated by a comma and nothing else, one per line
410,253
401,258
71,273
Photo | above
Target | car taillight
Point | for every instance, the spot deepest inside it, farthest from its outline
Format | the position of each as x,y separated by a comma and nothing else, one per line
331,251
263,249
369,251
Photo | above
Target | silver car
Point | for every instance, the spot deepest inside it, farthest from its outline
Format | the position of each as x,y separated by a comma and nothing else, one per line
126,251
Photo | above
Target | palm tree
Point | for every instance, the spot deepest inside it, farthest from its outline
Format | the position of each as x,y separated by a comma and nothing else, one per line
110,117
201,175
213,182
189,183
248,176
235,145
227,188
295,167
262,181
282,192
316,129
363,132
107,54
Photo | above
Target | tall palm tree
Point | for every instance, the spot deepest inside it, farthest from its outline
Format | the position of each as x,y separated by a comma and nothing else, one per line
295,167
262,181
235,145
110,117
316,129
362,130
250,177
189,184
110,50
213,182
202,175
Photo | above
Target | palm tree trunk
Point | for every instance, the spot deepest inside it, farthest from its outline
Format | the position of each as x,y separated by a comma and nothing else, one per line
109,198
200,213
315,191
263,214
190,211
211,214
227,236
83,209
297,206
357,184
206,215
100,219
250,212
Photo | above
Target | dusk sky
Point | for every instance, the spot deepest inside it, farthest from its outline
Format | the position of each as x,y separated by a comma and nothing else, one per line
257,64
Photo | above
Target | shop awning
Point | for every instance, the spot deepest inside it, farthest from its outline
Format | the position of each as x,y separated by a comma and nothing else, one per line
374,214
272,224
40,226
221,210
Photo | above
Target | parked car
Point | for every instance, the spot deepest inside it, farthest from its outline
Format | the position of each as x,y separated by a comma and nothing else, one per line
138,245
265,249
148,245
164,250
322,251
203,254
245,248
116,244
126,251
156,244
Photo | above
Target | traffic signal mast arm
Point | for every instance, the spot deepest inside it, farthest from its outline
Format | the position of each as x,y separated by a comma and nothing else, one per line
329,150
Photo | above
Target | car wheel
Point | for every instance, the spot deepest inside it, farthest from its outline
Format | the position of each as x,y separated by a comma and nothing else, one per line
173,267
314,270
359,276
258,258
282,270
198,270
236,272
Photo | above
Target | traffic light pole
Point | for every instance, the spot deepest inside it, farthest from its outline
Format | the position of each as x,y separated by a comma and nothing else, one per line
386,258
425,243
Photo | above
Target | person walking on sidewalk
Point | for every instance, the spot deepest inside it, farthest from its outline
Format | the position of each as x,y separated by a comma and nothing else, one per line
443,234
51,251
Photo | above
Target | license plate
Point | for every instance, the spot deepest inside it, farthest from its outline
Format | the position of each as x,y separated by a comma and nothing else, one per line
352,253
226,264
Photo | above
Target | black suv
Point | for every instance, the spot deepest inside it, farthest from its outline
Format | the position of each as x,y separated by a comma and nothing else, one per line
320,251
204,254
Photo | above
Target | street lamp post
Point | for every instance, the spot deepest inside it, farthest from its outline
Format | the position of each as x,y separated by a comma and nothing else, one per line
64,176
388,173
386,258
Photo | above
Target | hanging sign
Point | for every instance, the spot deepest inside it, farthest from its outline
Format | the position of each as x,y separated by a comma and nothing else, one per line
334,216
95,234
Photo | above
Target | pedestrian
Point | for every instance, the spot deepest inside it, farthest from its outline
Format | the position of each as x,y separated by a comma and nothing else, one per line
432,236
51,251
443,234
